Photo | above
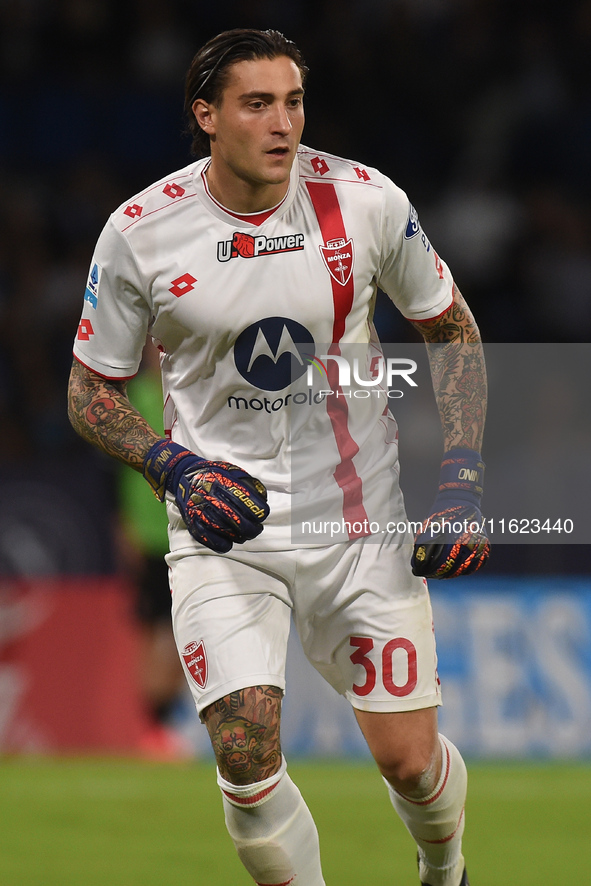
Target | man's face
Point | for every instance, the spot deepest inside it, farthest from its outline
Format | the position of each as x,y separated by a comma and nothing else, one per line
256,128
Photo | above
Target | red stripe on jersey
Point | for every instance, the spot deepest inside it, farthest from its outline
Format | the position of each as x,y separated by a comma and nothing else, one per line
332,227
285,883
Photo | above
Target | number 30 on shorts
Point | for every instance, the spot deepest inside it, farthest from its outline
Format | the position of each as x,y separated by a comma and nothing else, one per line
360,656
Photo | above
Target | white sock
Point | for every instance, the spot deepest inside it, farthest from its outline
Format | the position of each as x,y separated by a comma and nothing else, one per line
436,822
273,831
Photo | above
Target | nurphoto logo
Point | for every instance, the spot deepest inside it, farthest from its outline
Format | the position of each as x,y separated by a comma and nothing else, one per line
383,371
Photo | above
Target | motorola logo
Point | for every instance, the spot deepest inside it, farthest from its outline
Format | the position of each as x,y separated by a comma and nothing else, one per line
271,353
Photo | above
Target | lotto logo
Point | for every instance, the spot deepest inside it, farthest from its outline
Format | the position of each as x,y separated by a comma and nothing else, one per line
173,190
320,165
182,285
133,211
85,330
363,174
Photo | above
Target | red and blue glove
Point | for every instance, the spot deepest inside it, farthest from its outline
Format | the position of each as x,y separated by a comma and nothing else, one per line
220,503
453,540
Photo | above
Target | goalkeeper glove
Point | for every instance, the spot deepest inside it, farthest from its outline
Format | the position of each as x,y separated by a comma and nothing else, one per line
220,503
452,540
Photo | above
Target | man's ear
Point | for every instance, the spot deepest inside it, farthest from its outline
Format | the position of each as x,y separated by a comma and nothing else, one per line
204,114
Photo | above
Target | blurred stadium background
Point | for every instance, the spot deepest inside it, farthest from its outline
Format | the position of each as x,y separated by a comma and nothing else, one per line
481,111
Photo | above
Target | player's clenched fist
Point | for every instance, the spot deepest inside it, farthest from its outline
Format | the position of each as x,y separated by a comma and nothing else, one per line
453,540
220,503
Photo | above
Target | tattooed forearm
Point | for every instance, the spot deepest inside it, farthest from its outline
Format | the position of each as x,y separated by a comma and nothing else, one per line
457,324
244,732
458,371
100,412
459,382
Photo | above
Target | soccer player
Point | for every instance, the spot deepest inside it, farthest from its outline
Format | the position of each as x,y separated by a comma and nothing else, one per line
239,265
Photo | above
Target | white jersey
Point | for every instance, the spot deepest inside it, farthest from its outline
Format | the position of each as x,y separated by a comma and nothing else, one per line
239,305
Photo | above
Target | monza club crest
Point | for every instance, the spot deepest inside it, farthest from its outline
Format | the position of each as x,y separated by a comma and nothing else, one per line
196,662
338,258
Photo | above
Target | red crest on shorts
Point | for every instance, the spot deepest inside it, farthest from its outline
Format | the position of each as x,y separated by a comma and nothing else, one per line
338,258
196,661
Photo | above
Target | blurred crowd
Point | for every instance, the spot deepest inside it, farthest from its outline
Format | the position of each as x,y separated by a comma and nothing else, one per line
479,109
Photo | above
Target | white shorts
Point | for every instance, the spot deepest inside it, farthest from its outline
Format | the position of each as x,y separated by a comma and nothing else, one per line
364,621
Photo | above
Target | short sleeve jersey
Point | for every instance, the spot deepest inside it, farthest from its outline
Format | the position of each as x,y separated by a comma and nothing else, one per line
238,303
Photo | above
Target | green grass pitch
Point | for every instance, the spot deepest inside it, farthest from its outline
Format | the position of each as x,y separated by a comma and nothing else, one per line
87,822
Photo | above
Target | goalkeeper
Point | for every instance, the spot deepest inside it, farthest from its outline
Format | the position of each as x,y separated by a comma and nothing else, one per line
229,264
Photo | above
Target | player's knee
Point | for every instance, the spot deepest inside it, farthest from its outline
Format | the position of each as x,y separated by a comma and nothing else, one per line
250,759
244,732
413,773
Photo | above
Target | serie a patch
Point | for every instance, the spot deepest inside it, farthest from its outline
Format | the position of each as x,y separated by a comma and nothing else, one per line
412,225
92,285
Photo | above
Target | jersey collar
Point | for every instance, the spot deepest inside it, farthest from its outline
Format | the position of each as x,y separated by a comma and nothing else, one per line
237,220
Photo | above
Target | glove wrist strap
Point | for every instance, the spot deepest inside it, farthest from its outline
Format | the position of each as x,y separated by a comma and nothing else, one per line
161,465
462,475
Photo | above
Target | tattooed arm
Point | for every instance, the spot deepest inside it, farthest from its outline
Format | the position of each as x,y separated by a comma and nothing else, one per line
459,381
458,372
99,410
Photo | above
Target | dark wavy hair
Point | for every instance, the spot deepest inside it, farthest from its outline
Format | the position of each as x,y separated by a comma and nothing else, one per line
208,75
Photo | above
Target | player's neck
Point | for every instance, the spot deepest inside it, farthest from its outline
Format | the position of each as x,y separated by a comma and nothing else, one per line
242,196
